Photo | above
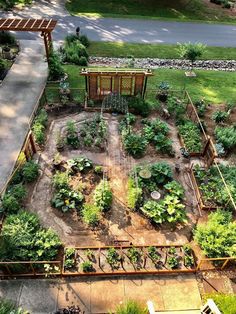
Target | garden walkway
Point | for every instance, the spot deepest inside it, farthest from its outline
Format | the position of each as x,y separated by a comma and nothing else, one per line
125,29
96,295
19,94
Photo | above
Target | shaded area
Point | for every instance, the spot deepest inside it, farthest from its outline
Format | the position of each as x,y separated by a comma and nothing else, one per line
19,94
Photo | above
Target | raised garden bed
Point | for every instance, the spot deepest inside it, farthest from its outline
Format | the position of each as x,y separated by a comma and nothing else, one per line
129,260
210,190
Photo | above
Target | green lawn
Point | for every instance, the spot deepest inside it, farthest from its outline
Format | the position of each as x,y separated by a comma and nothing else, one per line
183,10
215,87
117,49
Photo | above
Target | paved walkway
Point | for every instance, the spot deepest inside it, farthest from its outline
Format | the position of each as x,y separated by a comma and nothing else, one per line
102,295
127,30
18,96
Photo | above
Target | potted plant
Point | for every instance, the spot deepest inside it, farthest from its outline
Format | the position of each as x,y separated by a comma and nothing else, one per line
163,91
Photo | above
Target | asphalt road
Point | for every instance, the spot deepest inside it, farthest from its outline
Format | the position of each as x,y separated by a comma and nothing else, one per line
128,30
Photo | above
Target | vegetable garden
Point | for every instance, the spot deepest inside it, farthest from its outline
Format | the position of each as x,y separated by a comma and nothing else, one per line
112,191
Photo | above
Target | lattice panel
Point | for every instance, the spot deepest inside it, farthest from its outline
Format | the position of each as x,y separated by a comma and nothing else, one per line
105,85
93,87
138,88
127,85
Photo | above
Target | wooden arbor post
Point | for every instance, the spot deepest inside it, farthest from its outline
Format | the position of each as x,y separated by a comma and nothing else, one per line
47,37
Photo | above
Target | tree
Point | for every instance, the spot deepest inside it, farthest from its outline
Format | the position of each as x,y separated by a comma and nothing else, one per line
191,51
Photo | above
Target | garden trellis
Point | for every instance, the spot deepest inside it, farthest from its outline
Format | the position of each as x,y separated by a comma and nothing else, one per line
100,83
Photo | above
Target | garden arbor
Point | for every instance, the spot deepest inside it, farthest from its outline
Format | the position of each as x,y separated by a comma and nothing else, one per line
45,27
101,83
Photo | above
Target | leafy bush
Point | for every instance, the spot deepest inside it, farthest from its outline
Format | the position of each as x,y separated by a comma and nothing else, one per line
134,194
191,51
87,267
30,171
72,134
163,144
103,196
56,71
131,307
39,133
73,51
84,40
113,257
152,252
170,209
42,117
175,189
172,262
176,108
226,136
66,199
220,116
201,107
134,255
69,258
60,180
24,239
12,200
91,214
139,105
161,173
217,236
134,144
225,302
7,38
190,133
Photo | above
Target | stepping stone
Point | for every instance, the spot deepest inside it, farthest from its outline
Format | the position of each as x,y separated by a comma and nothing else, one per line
214,285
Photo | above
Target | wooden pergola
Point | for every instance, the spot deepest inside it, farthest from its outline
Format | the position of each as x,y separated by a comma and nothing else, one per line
100,83
31,25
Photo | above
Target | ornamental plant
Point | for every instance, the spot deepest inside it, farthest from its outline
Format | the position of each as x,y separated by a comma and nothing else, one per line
103,196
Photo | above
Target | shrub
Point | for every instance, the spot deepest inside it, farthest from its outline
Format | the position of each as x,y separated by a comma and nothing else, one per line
72,134
176,108
220,116
175,189
91,214
8,307
73,51
3,66
134,144
84,40
56,71
226,136
83,61
134,194
217,236
103,196
13,199
30,171
161,173
139,105
24,239
60,180
201,107
131,307
71,38
7,38
42,117
39,133
191,51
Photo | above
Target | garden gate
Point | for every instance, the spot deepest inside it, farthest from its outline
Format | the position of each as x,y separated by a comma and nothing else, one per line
31,25
101,83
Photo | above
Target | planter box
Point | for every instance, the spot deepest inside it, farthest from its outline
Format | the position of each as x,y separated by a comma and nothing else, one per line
191,154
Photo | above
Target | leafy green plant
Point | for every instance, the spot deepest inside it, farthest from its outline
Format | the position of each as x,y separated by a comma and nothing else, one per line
9,307
42,117
113,257
84,40
72,134
188,261
220,116
23,239
169,209
7,38
161,173
172,262
30,171
191,51
217,236
175,189
87,267
66,199
139,105
91,214
89,254
80,164
176,108
153,253
226,136
12,200
163,91
134,255
74,52
39,133
163,144
225,302
103,196
60,180
56,70
98,169
69,258
134,144
187,249
190,133
201,107
134,194
172,250
131,307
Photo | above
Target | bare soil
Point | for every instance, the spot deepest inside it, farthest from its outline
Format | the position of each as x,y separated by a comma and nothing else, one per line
119,225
